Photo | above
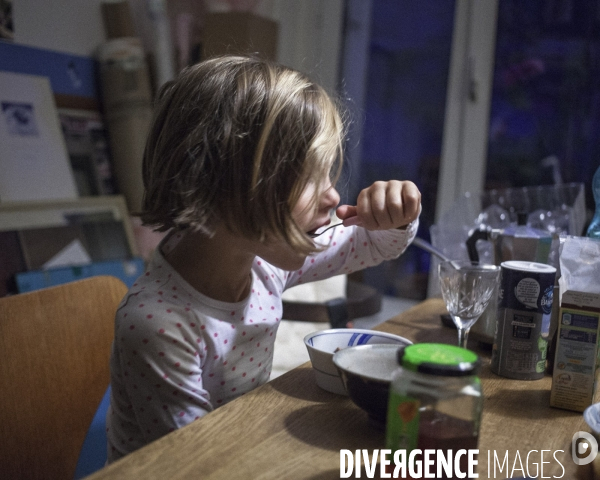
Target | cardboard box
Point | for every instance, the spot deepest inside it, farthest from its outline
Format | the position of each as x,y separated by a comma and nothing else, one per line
576,360
117,19
239,32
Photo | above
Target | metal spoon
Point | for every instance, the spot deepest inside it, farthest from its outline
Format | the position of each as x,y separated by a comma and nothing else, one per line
417,242
315,235
428,247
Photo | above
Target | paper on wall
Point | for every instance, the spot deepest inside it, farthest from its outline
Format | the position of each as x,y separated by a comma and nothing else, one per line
34,164
73,254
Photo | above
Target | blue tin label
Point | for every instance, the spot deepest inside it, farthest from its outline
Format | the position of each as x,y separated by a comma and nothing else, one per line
547,299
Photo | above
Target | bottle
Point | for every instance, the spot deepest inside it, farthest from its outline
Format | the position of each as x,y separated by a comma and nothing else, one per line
594,228
435,401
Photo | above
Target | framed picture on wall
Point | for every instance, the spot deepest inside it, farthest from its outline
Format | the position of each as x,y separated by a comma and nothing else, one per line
34,164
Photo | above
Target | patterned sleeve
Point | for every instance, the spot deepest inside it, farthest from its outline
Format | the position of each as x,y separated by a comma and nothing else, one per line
349,249
162,366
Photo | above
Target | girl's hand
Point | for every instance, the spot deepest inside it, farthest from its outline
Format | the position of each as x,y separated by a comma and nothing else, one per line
383,206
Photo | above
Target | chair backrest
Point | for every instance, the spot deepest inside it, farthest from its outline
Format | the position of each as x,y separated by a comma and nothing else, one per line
361,300
54,369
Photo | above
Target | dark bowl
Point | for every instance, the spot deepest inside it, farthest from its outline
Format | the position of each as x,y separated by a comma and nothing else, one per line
366,372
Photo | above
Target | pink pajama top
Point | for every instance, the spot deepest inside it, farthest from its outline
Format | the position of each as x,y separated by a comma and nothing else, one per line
177,354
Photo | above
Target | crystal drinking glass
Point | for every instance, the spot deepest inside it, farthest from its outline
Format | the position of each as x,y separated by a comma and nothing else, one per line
467,289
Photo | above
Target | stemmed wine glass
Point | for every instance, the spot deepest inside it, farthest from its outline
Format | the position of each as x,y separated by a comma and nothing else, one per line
467,289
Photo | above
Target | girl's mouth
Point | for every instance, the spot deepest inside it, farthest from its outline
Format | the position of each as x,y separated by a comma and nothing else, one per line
313,232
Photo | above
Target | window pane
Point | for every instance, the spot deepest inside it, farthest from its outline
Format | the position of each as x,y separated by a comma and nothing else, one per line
546,94
404,118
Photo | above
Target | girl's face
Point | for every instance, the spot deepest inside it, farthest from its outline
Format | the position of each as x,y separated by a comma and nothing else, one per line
309,216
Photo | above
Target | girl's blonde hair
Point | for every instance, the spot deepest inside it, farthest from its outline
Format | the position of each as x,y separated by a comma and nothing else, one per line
237,139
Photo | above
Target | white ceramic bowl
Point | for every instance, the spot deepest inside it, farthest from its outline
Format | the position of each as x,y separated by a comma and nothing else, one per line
323,344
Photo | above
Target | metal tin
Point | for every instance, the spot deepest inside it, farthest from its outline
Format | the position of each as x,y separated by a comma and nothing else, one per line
524,312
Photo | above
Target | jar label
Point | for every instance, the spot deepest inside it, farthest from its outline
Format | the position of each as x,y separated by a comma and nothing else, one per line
402,430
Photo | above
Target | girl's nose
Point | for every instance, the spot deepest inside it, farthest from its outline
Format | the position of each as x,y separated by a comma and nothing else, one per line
330,199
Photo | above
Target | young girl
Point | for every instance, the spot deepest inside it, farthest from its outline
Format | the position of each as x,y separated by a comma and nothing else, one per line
239,166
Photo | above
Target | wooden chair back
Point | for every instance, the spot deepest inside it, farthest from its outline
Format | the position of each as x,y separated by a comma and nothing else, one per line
361,301
54,369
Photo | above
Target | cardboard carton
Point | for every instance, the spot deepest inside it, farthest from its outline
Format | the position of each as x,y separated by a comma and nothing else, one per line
577,350
239,32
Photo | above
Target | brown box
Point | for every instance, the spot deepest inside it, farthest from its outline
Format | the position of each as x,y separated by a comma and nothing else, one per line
577,358
117,20
239,32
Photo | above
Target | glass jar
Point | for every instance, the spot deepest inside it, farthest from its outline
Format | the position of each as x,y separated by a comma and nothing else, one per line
593,229
435,400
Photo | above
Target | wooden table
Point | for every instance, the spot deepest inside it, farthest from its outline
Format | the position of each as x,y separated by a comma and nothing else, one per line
290,428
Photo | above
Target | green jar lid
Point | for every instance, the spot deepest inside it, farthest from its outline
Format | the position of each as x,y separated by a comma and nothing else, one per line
439,359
